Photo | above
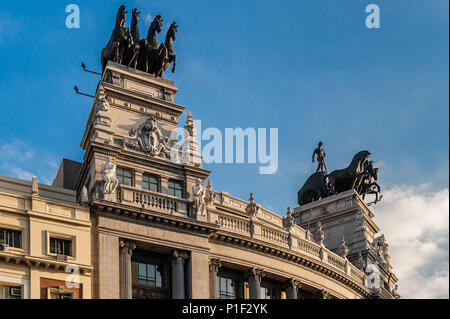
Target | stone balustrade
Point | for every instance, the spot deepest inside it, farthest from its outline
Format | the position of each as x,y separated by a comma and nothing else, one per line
272,231
153,200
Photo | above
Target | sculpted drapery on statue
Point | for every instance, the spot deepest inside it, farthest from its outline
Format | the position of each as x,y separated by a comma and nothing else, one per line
109,176
126,46
360,175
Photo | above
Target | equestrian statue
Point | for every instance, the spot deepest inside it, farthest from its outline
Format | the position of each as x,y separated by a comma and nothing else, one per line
360,175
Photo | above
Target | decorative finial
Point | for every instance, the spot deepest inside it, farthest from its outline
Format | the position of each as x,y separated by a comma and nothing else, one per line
34,186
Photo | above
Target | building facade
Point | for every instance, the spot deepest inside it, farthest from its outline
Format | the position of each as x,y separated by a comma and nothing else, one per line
142,220
45,244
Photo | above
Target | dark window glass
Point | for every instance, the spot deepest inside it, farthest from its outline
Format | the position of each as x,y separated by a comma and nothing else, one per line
60,246
225,288
149,275
175,188
12,238
124,176
150,183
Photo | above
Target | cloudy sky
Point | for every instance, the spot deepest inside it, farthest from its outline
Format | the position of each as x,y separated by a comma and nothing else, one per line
309,68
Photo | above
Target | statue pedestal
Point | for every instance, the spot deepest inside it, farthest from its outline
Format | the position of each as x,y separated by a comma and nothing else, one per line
342,215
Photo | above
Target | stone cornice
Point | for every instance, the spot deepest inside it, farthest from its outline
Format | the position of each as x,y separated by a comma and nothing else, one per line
144,215
44,263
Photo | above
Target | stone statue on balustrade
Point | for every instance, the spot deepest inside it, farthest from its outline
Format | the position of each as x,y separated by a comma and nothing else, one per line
199,197
252,208
210,195
109,176
288,221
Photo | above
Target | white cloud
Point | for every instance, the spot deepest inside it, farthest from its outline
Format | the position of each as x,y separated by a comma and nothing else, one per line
18,159
21,174
16,149
415,221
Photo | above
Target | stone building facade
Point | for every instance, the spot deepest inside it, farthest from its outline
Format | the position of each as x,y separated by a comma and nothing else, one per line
157,232
44,242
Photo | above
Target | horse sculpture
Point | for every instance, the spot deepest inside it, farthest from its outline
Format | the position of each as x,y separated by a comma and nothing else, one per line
120,38
165,54
131,51
320,185
150,45
369,184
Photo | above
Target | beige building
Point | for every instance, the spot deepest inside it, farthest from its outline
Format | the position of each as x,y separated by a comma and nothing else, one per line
45,246
142,216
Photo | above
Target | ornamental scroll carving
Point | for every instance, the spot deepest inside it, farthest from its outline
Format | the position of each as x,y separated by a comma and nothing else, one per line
148,138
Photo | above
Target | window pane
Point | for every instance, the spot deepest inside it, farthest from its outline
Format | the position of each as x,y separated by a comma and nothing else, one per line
60,246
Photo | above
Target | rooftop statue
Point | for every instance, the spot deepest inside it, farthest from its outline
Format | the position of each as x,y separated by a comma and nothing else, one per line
150,45
120,38
126,46
359,175
165,55
131,51
320,158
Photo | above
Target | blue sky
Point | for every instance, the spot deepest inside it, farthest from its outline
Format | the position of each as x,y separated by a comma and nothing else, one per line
309,68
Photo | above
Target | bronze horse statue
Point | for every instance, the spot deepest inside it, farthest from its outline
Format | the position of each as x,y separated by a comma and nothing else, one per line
120,38
369,184
320,185
131,51
150,46
165,54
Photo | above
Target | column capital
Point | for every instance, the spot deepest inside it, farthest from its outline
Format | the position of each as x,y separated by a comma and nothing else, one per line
215,264
257,273
176,254
325,294
294,283
126,244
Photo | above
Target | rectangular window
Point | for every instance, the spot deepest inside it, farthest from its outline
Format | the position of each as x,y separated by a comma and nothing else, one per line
149,275
225,288
13,238
59,295
175,188
124,176
60,246
10,292
150,183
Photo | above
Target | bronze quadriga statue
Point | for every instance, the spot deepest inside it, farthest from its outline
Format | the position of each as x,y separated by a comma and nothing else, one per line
360,175
126,46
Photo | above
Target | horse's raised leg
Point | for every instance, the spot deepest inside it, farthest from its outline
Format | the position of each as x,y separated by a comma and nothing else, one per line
174,63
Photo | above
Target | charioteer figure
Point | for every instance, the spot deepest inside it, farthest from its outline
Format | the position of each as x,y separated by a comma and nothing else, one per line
322,166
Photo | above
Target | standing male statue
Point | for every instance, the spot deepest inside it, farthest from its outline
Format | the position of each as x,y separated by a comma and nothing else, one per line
109,176
199,196
320,158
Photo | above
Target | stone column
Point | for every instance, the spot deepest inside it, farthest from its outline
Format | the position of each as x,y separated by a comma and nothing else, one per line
126,287
254,281
292,289
178,283
214,265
